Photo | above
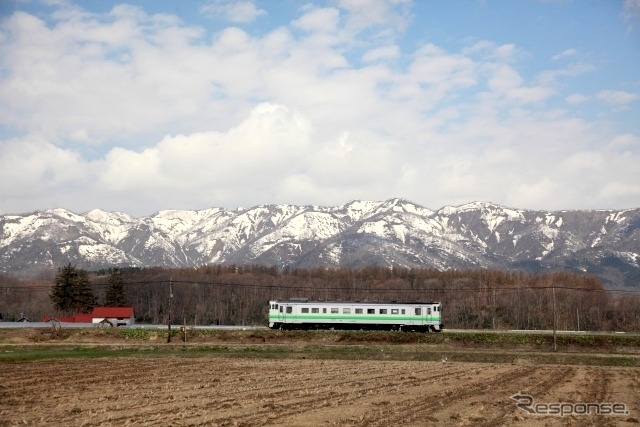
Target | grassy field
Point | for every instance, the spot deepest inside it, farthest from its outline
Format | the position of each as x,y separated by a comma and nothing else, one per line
486,347
309,378
106,377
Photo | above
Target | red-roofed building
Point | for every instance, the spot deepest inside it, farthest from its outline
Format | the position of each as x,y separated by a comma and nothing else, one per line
117,316
82,318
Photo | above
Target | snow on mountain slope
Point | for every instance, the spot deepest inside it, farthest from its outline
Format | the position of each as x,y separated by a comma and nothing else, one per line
392,232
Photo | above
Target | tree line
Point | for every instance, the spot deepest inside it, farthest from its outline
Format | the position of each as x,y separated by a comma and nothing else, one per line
72,292
236,295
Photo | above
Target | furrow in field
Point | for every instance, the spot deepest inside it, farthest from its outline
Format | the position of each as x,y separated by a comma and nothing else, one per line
261,408
389,404
204,390
408,411
502,409
317,394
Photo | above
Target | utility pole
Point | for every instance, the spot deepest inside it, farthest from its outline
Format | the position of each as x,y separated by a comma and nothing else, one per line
553,293
494,309
170,309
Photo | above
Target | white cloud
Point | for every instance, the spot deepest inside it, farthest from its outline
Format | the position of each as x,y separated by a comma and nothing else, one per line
256,155
310,112
576,98
618,98
391,16
34,171
325,20
382,53
77,75
239,11
565,54
442,71
551,77
506,82
490,51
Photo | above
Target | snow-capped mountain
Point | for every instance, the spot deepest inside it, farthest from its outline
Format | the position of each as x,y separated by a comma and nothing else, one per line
360,233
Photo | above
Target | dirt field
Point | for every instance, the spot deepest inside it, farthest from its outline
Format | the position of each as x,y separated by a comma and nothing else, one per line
222,391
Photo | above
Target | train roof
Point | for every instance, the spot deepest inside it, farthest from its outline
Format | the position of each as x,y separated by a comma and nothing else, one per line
309,301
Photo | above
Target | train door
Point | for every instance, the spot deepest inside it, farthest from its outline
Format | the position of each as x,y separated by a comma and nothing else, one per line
425,315
419,313
284,310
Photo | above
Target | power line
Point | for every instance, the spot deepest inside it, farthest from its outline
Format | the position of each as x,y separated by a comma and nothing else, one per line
360,288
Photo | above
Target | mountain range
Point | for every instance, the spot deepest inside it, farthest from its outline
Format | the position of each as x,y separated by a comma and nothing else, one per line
394,232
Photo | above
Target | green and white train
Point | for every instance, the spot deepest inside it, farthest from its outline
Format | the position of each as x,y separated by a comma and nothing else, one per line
397,316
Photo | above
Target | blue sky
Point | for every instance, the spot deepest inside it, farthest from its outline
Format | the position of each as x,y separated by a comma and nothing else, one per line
150,105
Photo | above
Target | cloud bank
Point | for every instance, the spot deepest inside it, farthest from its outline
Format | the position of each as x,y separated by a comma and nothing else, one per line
133,111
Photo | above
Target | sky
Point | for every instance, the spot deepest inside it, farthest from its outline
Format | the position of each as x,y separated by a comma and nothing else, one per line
143,106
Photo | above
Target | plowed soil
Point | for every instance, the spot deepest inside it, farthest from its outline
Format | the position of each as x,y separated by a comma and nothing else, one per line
221,391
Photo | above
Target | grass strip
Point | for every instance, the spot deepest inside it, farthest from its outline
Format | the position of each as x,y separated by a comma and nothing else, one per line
315,351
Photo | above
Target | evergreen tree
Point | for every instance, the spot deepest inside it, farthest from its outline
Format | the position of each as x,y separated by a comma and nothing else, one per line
85,298
72,291
115,296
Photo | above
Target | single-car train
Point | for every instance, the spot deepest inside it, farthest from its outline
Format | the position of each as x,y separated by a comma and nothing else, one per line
399,316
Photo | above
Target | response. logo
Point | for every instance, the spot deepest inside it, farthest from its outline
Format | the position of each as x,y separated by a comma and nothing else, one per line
526,402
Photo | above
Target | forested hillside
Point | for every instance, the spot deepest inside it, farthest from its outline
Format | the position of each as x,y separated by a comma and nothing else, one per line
236,295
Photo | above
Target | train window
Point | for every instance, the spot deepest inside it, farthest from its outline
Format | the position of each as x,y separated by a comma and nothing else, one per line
403,312
324,310
383,311
289,309
428,310
358,311
394,311
280,309
315,310
305,309
418,311
371,311
346,311
334,310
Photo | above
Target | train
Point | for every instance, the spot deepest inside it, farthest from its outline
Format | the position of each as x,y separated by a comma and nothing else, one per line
301,313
